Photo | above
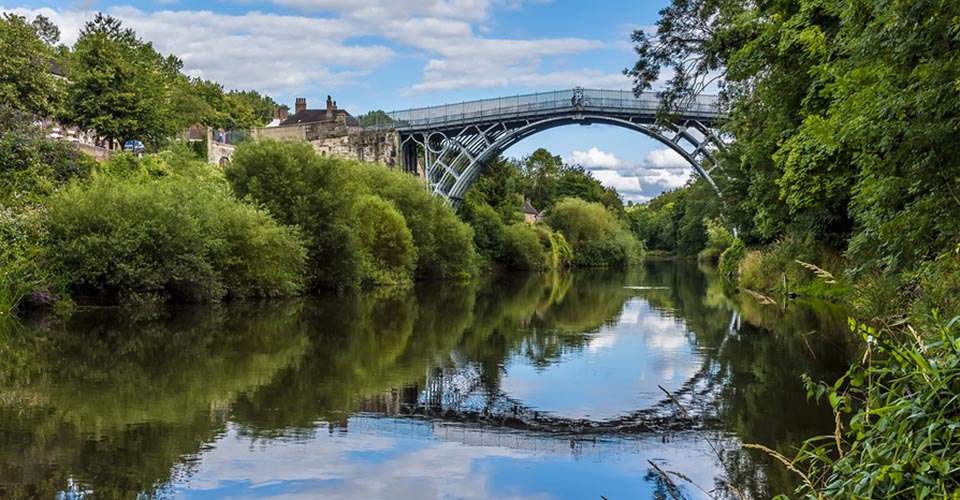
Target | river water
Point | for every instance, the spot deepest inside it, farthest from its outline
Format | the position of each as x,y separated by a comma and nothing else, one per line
545,386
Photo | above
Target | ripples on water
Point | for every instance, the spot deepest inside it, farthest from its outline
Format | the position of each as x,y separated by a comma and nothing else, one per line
538,386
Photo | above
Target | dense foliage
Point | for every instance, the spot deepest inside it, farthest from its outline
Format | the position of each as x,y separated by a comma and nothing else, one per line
348,211
31,169
116,84
598,238
175,237
844,115
25,84
494,207
676,221
901,440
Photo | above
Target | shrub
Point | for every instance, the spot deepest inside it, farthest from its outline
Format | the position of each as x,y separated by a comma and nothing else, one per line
488,227
522,248
300,188
32,167
444,242
22,273
141,239
730,259
561,255
322,196
597,237
719,238
389,255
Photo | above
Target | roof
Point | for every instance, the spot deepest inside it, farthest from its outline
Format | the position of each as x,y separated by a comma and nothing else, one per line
528,208
319,115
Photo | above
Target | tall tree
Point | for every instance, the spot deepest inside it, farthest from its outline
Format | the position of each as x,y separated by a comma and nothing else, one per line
541,170
261,106
120,86
25,80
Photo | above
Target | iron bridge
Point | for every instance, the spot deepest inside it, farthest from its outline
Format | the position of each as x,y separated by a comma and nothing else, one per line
450,145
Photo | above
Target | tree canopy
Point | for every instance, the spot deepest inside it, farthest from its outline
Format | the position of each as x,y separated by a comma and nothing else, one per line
844,114
120,85
26,82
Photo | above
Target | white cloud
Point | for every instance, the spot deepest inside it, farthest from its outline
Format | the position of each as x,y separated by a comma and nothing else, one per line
612,178
665,178
660,170
594,158
665,158
443,31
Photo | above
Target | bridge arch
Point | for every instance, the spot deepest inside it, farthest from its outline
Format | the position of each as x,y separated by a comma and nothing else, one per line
456,142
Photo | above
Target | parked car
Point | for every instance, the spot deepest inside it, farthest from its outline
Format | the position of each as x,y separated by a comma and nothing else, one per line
133,146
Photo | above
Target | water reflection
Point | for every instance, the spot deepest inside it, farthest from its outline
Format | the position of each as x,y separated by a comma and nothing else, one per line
533,386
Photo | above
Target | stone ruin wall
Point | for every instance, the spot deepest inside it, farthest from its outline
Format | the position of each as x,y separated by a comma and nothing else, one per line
374,146
335,139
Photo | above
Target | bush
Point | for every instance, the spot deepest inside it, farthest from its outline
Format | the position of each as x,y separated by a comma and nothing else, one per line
444,243
561,255
522,248
23,276
32,167
719,238
730,259
168,239
322,195
488,227
597,237
389,255
300,188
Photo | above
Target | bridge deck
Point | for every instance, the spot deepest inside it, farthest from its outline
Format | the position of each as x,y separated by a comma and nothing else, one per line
540,105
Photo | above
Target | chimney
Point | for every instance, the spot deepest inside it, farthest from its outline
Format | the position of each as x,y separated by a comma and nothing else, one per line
331,106
300,105
283,112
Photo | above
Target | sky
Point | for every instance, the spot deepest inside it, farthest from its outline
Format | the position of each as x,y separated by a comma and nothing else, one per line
399,54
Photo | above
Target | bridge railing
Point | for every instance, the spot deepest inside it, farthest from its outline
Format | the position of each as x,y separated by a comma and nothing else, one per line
545,103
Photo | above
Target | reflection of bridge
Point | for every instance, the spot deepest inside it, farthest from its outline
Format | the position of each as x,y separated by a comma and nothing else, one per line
455,395
456,141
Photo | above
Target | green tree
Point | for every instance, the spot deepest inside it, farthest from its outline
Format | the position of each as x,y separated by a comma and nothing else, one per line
25,79
299,187
375,118
120,86
541,171
500,186
598,238
522,248
47,32
257,109
389,255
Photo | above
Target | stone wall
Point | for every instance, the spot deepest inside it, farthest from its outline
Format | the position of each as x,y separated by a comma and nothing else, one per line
374,146
336,139
219,153
95,151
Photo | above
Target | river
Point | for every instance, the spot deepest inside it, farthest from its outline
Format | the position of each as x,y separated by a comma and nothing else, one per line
547,386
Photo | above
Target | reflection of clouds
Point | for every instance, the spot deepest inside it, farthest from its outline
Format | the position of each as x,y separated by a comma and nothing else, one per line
371,462
630,314
348,466
600,342
618,371
662,333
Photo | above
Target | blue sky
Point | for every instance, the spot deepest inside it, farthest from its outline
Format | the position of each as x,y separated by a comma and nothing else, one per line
397,54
